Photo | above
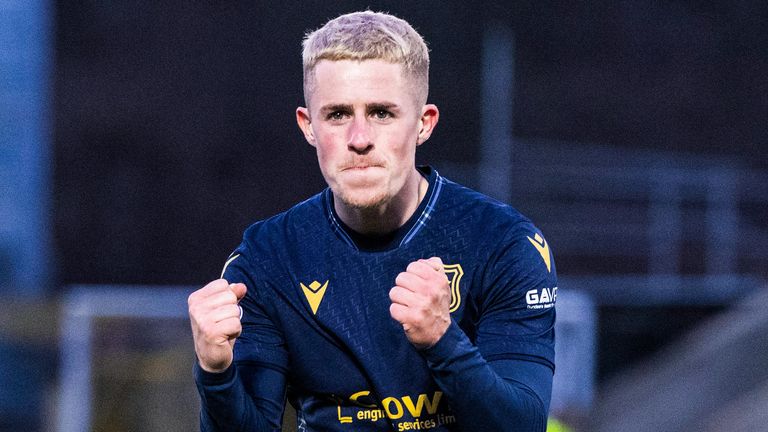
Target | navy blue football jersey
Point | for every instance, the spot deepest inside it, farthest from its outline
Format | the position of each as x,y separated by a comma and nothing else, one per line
316,319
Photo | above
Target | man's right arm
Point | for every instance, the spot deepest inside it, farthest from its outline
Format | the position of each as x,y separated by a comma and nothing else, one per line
226,405
238,391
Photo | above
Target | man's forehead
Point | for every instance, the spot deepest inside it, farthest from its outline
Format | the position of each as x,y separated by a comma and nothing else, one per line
373,81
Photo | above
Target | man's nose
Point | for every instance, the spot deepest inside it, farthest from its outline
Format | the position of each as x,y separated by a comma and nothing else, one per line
360,135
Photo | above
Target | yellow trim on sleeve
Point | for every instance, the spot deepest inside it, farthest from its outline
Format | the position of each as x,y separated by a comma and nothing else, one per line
226,264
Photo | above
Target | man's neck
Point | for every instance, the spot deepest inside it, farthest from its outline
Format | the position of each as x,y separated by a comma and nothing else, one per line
389,216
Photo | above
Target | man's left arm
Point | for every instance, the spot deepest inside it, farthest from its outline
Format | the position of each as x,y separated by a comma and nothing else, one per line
499,395
504,382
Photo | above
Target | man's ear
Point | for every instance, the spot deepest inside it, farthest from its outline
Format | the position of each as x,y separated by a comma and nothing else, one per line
305,124
429,116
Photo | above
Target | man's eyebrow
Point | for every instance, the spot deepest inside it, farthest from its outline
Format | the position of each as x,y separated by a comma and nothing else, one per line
335,107
388,106
374,106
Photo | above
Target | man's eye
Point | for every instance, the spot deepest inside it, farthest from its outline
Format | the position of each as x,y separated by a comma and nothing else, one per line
336,115
382,114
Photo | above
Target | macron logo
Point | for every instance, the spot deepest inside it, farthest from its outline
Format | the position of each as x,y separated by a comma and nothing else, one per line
314,293
543,248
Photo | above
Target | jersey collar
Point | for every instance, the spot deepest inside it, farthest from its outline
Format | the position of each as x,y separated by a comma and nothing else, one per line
399,237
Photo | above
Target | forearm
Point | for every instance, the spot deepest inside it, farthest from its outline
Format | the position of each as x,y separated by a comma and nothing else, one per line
482,398
227,406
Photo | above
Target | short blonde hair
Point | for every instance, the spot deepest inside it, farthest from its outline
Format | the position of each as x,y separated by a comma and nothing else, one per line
369,35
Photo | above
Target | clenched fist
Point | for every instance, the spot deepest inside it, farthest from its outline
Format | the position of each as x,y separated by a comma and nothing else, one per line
421,301
215,318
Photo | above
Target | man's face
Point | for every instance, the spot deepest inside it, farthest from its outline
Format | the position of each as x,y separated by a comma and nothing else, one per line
365,122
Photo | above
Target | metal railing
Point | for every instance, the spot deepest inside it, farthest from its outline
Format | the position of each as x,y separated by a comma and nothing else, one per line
660,207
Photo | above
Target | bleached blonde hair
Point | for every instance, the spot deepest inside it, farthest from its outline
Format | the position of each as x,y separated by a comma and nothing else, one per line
369,35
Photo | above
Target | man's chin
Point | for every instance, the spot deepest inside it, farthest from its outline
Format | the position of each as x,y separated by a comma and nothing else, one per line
364,200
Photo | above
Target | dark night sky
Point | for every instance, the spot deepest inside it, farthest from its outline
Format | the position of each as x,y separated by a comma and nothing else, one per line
174,123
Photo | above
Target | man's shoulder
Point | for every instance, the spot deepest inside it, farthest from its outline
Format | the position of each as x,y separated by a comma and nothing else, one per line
482,210
301,217
512,243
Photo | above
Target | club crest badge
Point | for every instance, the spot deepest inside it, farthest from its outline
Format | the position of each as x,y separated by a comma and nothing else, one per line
454,272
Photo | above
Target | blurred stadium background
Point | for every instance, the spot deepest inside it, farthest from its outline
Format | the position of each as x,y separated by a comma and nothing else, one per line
139,139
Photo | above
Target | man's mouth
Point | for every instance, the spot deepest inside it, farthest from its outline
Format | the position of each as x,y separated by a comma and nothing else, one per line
359,167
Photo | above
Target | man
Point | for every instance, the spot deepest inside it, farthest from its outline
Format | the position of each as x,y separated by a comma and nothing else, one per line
393,300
